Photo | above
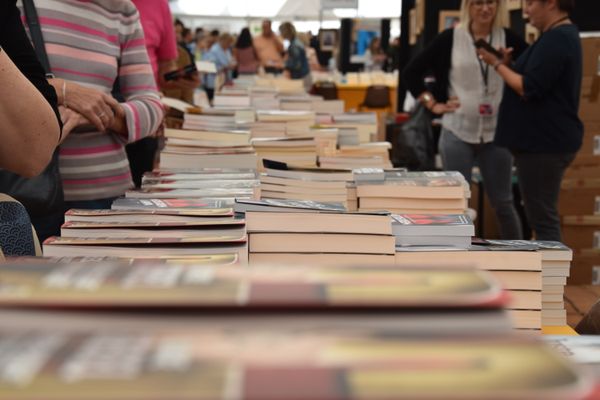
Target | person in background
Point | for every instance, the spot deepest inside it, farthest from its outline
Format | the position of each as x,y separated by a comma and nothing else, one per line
538,118
245,54
87,64
393,55
179,27
187,41
269,49
296,62
374,56
311,53
159,34
220,54
468,95
27,143
212,38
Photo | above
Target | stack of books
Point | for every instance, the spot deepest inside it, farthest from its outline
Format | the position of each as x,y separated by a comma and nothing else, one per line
519,271
312,233
218,119
208,183
232,100
533,272
189,149
153,228
413,192
300,152
279,124
281,181
365,123
373,149
266,332
454,230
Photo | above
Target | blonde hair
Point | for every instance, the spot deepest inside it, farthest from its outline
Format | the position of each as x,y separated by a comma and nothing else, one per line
500,21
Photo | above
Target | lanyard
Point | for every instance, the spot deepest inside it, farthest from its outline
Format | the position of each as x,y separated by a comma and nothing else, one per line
483,67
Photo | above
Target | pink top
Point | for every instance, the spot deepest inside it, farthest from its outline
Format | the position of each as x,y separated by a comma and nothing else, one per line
246,60
157,22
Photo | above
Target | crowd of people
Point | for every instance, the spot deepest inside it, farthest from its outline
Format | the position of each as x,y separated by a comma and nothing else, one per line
98,97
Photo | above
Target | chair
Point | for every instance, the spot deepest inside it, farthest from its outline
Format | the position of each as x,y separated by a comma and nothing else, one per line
376,96
328,90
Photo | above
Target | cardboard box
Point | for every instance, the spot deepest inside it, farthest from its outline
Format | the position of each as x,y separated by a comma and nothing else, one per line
584,169
579,237
582,266
578,201
589,101
591,55
590,146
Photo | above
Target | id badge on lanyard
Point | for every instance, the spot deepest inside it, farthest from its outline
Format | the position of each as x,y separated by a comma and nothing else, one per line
486,107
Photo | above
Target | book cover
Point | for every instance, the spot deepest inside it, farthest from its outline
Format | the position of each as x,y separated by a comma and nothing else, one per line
274,205
220,363
203,237
429,224
149,285
206,207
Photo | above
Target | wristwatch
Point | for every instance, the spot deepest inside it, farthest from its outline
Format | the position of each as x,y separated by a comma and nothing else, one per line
427,99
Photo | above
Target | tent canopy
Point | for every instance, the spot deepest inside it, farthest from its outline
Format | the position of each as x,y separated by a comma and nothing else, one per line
283,9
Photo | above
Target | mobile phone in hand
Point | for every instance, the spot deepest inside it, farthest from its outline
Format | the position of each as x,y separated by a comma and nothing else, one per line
482,44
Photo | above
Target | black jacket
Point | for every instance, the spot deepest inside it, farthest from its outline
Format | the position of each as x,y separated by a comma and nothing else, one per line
436,60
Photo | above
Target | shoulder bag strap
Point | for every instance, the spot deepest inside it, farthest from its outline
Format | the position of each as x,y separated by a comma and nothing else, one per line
36,34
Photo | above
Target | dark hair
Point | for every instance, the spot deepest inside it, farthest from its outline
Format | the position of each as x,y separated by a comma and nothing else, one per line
244,40
215,33
178,22
185,32
199,30
566,5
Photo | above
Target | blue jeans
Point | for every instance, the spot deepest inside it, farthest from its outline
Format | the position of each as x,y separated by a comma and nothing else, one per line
495,164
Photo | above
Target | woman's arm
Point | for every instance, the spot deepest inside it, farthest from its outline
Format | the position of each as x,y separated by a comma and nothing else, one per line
413,74
29,128
143,112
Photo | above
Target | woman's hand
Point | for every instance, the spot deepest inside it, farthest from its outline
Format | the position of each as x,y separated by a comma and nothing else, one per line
487,57
71,119
95,106
494,61
451,105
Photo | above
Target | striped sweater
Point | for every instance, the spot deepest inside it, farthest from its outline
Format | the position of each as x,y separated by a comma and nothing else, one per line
94,43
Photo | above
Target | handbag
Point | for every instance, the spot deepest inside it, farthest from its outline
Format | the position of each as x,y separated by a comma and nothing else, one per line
415,143
41,195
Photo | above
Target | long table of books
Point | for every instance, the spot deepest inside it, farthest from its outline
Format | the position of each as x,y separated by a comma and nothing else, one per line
247,268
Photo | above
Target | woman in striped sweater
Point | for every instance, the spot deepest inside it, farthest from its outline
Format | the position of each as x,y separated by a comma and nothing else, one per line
93,45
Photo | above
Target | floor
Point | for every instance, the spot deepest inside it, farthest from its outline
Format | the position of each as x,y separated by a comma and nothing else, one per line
578,301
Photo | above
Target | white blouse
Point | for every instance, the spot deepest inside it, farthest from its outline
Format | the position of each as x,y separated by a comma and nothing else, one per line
467,83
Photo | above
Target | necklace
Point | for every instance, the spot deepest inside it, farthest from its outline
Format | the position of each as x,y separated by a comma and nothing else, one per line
552,25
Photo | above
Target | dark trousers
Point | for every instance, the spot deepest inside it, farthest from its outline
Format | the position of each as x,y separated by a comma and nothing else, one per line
540,176
141,155
48,225
100,204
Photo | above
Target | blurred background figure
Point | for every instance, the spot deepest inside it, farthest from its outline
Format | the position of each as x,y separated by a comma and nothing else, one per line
245,54
296,62
311,53
220,54
269,49
375,56
159,35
